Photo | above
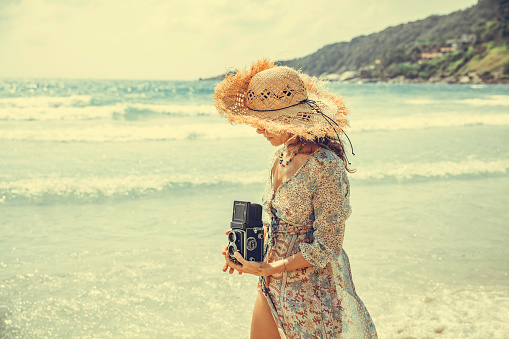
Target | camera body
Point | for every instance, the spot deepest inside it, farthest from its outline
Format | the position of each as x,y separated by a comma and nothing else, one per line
246,232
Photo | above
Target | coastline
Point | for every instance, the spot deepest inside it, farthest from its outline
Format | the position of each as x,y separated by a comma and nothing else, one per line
471,78
467,79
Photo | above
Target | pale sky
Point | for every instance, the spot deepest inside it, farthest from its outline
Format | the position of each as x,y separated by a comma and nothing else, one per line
187,39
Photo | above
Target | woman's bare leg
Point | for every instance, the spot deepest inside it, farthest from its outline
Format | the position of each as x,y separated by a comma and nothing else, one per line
262,323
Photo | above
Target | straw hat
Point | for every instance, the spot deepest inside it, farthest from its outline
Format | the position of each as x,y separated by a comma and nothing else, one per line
280,99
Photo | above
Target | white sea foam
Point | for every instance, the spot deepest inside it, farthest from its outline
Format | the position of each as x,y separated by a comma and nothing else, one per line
490,100
118,131
46,113
90,188
109,132
421,101
46,101
445,312
173,109
429,121
438,170
80,108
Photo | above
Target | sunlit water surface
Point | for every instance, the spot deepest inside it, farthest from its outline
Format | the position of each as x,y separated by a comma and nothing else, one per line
115,195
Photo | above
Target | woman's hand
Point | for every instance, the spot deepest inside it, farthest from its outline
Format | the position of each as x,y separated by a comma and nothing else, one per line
251,267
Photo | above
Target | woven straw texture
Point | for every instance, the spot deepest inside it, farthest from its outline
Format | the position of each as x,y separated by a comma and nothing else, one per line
269,97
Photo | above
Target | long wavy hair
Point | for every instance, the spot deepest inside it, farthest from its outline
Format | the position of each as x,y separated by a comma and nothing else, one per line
335,145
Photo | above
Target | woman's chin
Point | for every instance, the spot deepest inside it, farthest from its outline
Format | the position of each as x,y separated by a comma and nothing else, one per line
275,142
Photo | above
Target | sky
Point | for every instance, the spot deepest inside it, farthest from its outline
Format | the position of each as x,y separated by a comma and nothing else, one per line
186,39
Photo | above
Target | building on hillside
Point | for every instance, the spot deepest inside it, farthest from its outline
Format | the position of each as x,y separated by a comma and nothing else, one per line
431,55
464,41
447,49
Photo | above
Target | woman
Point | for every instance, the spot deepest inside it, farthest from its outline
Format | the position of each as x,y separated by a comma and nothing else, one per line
305,288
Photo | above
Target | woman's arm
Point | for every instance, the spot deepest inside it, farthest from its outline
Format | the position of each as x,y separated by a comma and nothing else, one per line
331,206
291,263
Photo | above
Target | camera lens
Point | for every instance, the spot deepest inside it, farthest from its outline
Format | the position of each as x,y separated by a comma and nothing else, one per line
232,236
232,249
251,243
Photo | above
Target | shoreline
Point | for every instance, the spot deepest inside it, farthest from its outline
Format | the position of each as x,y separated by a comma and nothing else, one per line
467,79
462,80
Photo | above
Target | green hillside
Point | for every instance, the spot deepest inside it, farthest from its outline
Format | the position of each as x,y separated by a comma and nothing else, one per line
465,46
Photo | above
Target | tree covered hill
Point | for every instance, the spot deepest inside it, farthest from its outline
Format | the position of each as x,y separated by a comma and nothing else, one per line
468,45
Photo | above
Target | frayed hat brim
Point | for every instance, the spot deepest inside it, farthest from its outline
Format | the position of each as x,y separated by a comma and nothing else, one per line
300,119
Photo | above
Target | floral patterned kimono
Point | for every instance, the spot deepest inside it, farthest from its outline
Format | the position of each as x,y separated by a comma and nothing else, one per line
307,213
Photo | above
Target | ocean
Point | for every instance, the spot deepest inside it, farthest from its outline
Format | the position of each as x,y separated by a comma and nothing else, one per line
115,196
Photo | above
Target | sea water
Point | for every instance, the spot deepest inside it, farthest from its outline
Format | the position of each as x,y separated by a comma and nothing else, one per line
115,196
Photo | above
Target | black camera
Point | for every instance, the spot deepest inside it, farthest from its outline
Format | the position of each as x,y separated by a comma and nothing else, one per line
246,233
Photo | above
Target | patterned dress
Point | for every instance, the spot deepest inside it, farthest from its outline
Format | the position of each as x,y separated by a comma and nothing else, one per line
307,214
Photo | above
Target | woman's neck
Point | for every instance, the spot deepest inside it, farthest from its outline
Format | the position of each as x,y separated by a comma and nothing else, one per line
308,148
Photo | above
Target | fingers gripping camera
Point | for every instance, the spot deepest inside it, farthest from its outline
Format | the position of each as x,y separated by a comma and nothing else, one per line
246,233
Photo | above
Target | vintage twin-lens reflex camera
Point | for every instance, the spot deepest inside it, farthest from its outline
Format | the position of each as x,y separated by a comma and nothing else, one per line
246,233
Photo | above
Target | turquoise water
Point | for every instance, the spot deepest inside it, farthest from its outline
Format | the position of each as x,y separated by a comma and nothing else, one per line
115,195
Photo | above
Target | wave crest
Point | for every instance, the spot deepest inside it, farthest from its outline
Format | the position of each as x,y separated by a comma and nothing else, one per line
429,121
490,100
97,188
435,170
127,133
82,108
86,189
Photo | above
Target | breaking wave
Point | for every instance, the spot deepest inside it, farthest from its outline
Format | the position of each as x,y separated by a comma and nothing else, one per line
435,170
83,107
429,121
490,100
89,189
109,132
